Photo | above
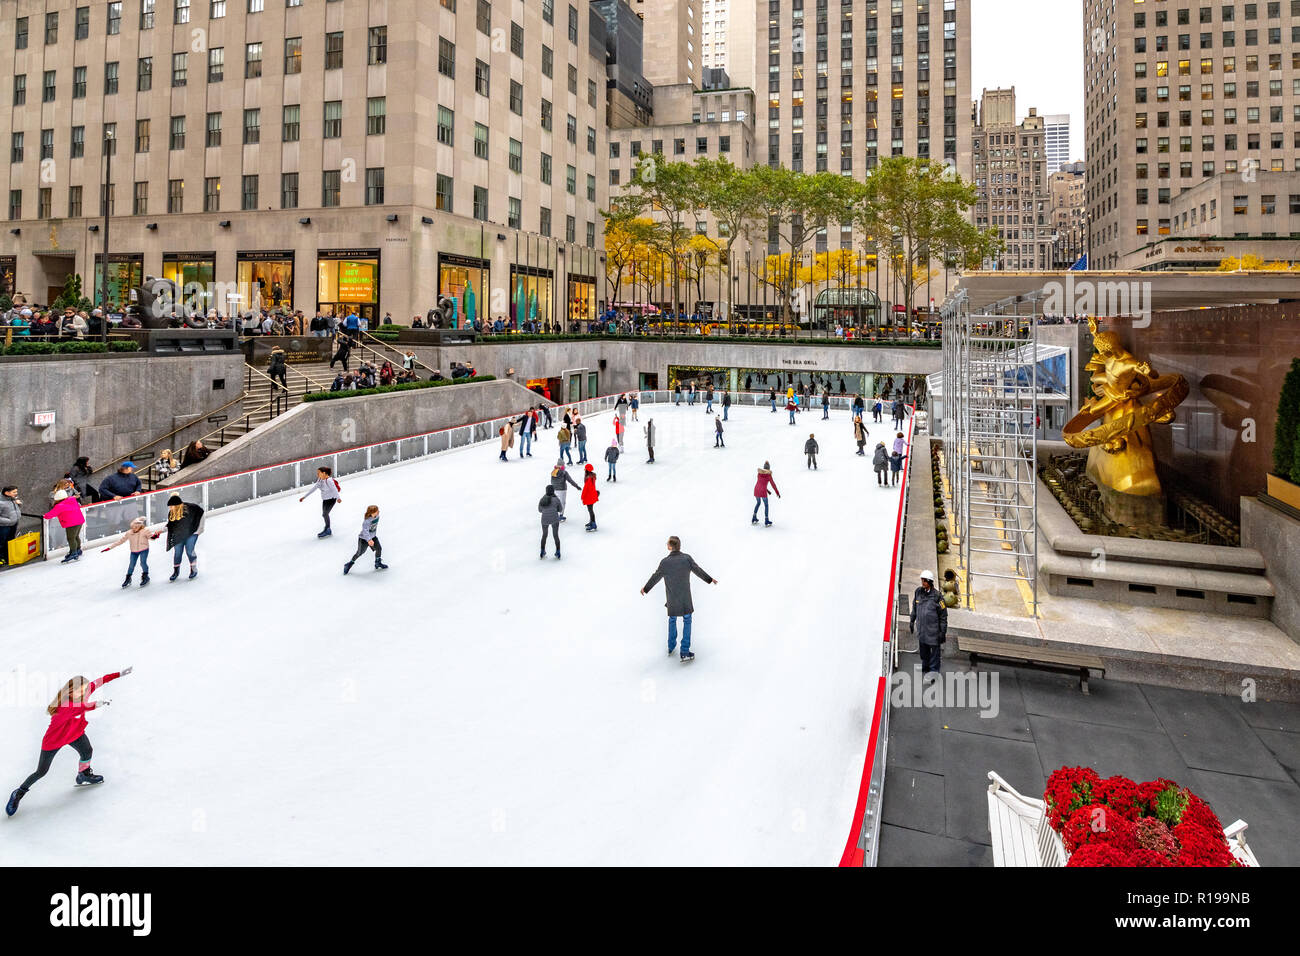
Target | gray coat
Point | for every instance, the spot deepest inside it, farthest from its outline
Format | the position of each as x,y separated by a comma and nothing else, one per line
881,458
676,571
929,620
650,434
558,481
580,433
549,508
810,446
9,513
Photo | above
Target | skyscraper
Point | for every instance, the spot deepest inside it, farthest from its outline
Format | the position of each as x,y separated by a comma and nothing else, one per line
672,36
1009,171
1057,128
1177,94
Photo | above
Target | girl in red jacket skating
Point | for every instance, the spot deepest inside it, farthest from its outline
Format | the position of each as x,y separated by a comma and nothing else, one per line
67,726
765,481
590,495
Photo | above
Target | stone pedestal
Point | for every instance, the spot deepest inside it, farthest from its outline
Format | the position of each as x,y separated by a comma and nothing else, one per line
1133,510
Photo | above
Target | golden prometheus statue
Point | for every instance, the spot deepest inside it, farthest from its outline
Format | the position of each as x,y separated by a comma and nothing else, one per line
1120,455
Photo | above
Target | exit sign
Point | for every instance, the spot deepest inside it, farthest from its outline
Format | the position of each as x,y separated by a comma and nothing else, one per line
42,419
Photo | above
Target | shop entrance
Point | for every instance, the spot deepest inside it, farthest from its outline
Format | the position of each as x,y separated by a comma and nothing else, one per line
347,280
548,388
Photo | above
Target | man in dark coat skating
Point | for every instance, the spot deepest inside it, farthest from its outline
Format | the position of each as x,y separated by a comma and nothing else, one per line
676,571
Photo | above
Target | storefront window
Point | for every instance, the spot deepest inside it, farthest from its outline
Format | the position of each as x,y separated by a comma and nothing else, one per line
348,281
8,266
466,281
125,272
582,298
193,274
530,295
264,280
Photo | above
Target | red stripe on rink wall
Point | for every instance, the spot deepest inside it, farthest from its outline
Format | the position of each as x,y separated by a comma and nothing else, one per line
853,854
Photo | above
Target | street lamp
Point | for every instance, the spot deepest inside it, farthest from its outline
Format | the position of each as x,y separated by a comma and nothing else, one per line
103,271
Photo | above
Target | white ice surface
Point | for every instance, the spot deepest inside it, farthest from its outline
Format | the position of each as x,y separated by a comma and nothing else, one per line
473,704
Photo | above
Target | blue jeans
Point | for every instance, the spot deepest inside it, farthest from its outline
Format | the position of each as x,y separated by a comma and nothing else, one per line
690,399
582,452
826,412
686,634
725,409
143,558
708,405
774,405
612,472
186,546
792,416
525,443
564,451
763,500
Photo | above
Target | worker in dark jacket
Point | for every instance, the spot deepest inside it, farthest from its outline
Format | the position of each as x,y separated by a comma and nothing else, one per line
810,449
929,622
551,511
121,484
676,571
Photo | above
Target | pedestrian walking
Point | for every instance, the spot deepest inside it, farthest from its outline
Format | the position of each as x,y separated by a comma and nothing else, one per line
342,350
331,493
717,433
590,495
765,481
277,370
929,622
551,510
675,571
368,538
184,525
810,449
611,458
650,440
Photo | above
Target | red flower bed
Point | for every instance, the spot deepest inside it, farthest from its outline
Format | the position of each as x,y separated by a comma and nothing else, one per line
1116,822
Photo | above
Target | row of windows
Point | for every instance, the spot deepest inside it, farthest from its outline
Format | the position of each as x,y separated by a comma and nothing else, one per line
1240,204
1251,64
1184,117
1276,140
1227,14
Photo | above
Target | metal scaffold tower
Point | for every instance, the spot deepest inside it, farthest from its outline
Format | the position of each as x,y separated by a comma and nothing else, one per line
990,444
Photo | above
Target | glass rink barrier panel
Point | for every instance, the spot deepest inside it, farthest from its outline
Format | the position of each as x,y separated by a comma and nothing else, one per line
108,520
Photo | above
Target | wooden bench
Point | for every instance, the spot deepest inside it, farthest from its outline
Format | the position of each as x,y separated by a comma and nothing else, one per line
1052,659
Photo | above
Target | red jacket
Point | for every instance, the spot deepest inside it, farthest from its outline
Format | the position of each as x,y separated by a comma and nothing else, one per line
765,479
69,721
589,493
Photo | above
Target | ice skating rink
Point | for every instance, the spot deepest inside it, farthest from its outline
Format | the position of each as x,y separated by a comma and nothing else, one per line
474,704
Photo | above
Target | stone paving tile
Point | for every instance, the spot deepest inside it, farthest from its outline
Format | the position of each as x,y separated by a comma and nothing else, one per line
1138,754
1110,702
903,847
914,799
1273,715
1285,747
1271,809
967,760
915,739
1211,733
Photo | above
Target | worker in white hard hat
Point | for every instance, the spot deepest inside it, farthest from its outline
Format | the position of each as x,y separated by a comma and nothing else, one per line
929,622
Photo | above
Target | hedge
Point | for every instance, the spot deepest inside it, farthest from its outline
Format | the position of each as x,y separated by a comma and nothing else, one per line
506,338
405,387
385,336
69,348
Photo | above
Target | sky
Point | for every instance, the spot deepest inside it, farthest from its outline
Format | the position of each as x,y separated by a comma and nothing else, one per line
1037,47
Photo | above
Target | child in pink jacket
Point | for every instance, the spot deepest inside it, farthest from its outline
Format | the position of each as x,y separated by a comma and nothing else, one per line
139,537
71,518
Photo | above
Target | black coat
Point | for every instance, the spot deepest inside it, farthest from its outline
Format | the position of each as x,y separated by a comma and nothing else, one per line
188,524
929,620
676,571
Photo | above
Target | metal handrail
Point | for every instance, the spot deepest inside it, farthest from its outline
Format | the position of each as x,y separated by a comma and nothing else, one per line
176,431
393,348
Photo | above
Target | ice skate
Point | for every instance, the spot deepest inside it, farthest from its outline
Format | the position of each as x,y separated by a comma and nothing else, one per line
380,566
194,571
325,534
144,580
14,799
176,573
347,567
127,582
88,777
688,657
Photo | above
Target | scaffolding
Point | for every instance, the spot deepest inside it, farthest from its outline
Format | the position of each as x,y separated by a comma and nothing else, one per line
989,397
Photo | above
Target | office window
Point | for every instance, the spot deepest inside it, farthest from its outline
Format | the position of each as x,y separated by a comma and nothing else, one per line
248,192
20,34
573,78
256,6
333,119
480,141
376,116
443,193
211,194
544,223
548,61
288,190
181,11
591,93
180,68
591,140
78,83
570,180
16,148
74,202
252,126
375,187
20,89
212,137
146,14
141,136
77,148
216,64
289,123
378,46
114,19
570,228
252,61
514,212
480,203
175,195
217,9
483,17
571,129
548,11
591,187
516,156
47,144
44,203
330,188
51,29
446,123
546,169
516,98
516,39
334,51
573,38
546,115
15,204
482,78
177,140
446,57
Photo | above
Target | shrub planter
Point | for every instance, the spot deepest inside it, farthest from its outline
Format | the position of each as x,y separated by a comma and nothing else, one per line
1284,491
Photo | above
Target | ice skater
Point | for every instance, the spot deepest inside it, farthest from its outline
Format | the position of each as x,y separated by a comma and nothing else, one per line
635,404
138,536
900,443
826,404
676,571
184,525
546,411
560,478
765,481
726,405
895,466
619,427
929,622
677,394
690,396
580,433
791,407
368,537
72,519
611,458
565,436
771,397
507,433
708,401
900,413
650,440
590,495
67,728
527,425
552,510
880,461
810,449
876,410
860,434
717,433
331,493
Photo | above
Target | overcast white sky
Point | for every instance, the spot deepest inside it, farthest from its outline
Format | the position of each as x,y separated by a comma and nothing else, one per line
1037,47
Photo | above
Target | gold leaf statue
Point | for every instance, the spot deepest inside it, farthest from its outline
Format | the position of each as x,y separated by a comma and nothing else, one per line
1121,456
